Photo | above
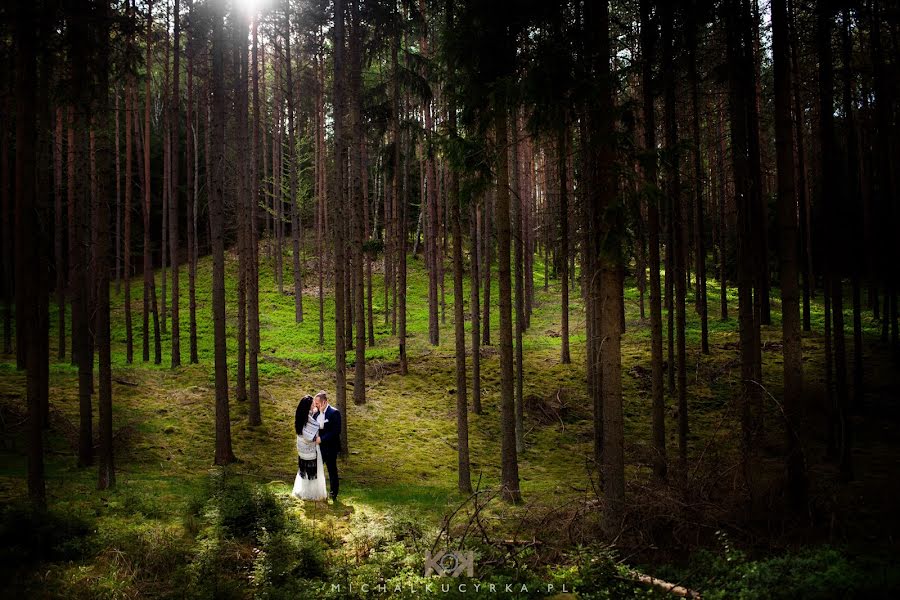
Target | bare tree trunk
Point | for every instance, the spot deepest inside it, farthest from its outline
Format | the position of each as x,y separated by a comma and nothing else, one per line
277,175
107,473
834,226
853,202
31,289
366,230
648,46
740,70
167,177
403,235
224,454
527,233
173,187
292,173
193,176
561,154
431,218
462,405
242,196
787,213
723,223
519,289
509,475
603,258
340,149
149,283
487,239
7,260
358,201
254,417
802,190
129,341
474,280
699,234
321,196
59,237
673,185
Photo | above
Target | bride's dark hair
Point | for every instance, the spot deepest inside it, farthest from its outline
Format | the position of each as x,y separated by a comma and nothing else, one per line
302,413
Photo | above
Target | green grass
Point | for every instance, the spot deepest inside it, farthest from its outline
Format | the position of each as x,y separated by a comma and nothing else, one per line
402,441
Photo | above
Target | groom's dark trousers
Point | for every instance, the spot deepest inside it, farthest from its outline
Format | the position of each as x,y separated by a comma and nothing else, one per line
330,461
330,436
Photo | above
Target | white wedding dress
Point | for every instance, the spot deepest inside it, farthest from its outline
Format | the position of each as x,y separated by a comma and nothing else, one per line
308,488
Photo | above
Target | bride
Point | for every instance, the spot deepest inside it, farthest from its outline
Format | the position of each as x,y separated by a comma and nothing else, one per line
310,481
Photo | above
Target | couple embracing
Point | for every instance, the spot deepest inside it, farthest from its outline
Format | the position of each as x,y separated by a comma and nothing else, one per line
318,428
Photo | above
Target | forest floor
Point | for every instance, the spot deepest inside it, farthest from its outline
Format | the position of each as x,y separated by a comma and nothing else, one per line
401,471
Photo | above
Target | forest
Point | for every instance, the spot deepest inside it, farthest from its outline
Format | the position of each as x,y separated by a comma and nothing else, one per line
591,298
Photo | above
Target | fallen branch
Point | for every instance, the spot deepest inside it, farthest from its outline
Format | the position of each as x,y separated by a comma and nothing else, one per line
672,588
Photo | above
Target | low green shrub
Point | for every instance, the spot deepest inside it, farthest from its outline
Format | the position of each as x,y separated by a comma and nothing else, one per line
28,535
245,511
818,572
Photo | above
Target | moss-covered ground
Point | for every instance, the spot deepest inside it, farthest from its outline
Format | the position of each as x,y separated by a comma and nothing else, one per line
402,462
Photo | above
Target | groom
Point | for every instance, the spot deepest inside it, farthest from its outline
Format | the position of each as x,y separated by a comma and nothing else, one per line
329,440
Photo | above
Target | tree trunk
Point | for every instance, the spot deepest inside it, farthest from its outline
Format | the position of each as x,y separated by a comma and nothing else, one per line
805,231
224,454
648,49
699,234
789,260
31,262
487,240
243,202
278,174
192,153
603,252
166,187
107,473
723,222
118,238
126,250
59,236
459,320
509,475
79,289
403,235
475,310
254,417
516,217
673,185
853,203
561,154
292,172
339,240
173,184
7,260
431,218
740,69
358,202
527,232
367,234
149,279
834,225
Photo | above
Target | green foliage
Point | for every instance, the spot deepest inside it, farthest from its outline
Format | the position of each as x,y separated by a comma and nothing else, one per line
813,572
28,535
597,575
243,511
248,540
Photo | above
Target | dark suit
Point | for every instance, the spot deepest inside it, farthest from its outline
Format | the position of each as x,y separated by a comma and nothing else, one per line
330,445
